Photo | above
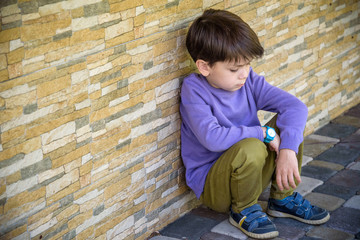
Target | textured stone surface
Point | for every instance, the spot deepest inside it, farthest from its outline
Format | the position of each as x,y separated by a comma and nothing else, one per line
216,236
347,178
203,211
324,164
89,101
347,120
307,185
320,173
336,190
225,228
345,219
190,226
325,201
328,233
353,202
355,112
163,238
340,154
289,231
338,131
317,144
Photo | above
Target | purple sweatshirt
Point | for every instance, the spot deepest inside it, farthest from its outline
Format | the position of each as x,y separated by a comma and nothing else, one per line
214,119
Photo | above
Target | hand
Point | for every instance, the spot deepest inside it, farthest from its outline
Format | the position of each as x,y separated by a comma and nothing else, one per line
274,144
287,169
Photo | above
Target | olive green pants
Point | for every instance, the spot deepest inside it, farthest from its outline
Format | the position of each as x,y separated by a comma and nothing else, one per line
241,174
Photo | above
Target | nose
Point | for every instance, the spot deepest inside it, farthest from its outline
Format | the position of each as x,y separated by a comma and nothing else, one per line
242,73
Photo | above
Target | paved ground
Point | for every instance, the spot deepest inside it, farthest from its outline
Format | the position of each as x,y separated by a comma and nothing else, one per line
330,179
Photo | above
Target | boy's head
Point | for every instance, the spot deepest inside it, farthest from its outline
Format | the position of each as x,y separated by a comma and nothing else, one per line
219,36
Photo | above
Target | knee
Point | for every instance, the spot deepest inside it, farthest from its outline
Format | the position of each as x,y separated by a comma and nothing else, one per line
251,152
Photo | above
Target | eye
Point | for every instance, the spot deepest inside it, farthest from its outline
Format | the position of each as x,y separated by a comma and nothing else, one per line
233,70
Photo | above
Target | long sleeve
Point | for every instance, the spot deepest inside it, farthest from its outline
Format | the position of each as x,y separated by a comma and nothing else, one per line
292,113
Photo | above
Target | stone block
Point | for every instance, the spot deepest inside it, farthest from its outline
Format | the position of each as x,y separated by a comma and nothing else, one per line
163,238
328,233
347,178
320,173
96,9
353,202
124,5
317,144
24,198
340,155
346,220
118,29
4,75
336,190
336,130
15,56
347,120
40,31
15,70
62,183
354,166
10,34
307,185
327,202
50,87
325,164
189,226
226,229
354,112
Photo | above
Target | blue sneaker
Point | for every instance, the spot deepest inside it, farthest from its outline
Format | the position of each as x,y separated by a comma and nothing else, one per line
296,207
254,223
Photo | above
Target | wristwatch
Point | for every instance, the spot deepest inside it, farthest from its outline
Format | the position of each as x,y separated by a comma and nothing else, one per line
270,134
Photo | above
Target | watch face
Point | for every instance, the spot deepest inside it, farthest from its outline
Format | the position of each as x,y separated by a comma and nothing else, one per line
271,132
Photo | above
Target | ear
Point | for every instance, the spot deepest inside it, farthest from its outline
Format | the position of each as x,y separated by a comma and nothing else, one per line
203,67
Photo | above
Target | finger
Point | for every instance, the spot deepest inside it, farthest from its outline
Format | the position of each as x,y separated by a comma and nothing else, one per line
292,182
279,183
285,182
297,177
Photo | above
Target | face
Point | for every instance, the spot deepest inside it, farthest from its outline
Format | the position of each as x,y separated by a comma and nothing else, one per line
230,76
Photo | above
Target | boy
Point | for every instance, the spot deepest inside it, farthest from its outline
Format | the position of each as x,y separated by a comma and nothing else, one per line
229,157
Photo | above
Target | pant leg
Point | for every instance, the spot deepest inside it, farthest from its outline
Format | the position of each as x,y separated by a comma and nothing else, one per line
241,174
236,179
275,191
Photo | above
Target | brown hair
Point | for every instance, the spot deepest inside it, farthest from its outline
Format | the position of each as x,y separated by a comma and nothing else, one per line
219,35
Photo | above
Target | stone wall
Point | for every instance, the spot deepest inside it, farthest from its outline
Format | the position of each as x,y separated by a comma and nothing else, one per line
89,100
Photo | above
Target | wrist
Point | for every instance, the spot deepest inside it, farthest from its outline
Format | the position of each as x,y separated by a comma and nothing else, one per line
264,131
270,134
287,151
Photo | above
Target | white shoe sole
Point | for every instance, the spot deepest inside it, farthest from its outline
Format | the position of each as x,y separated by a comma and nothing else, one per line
275,213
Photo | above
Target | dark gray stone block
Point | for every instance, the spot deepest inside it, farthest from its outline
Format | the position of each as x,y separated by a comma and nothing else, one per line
347,178
189,226
345,219
216,236
320,173
335,190
335,130
355,111
339,154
